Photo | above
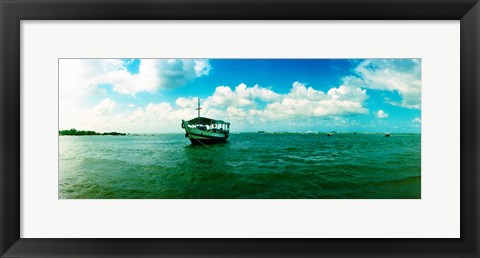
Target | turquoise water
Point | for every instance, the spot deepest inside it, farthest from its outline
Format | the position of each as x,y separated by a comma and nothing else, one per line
249,166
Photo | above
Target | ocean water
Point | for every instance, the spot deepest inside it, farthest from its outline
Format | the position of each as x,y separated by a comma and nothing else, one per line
249,166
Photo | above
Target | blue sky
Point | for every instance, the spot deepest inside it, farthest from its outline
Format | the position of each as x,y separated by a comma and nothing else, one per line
153,95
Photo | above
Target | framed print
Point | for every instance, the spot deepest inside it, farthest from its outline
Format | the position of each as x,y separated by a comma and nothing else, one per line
239,128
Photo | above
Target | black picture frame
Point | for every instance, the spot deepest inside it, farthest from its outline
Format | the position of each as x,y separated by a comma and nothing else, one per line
13,11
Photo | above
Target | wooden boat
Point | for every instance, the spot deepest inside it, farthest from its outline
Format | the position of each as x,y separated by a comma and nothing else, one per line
204,130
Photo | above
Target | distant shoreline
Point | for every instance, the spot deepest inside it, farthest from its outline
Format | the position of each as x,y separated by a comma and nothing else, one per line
89,133
74,132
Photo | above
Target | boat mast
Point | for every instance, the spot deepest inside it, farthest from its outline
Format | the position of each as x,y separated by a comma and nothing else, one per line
199,107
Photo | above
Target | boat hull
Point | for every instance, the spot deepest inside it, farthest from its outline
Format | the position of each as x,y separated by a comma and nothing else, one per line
197,136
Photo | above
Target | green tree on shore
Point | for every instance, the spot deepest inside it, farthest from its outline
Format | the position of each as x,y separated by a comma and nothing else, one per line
73,131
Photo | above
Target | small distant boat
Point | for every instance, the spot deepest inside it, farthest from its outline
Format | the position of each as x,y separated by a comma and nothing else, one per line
388,134
203,130
332,133
261,131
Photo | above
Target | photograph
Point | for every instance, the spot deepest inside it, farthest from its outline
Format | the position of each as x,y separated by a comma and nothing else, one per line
229,128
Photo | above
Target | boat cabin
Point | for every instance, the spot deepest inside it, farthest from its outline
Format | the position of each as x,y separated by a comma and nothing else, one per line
208,124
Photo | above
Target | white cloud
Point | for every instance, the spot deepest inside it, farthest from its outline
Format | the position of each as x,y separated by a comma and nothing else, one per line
202,67
417,120
78,78
242,96
153,118
244,106
81,77
303,101
105,107
400,75
190,103
381,114
156,74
